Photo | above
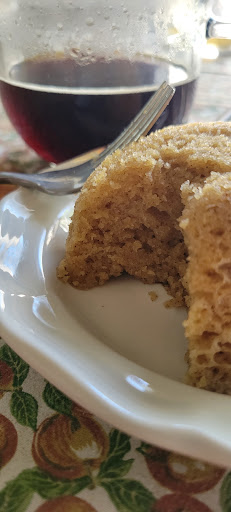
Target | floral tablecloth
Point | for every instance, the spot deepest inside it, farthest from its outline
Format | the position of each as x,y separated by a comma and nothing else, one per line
57,457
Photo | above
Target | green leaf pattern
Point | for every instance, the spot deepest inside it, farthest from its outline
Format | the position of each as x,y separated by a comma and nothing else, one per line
114,468
119,443
19,367
129,495
24,408
225,494
18,493
49,488
56,400
16,497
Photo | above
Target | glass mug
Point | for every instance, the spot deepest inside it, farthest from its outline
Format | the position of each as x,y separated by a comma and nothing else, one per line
75,72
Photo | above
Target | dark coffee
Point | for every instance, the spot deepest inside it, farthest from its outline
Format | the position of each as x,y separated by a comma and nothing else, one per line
59,120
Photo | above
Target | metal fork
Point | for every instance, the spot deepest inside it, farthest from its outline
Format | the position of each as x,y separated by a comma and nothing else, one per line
69,177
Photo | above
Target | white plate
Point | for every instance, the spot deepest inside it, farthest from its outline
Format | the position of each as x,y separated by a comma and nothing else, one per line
111,349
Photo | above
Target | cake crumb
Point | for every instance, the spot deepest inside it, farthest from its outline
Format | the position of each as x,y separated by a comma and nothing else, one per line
174,302
153,296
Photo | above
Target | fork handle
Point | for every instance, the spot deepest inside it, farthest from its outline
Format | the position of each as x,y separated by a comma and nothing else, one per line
14,177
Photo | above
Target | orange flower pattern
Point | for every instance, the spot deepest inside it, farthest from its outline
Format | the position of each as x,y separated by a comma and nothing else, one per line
69,450
180,473
8,440
6,377
66,504
180,503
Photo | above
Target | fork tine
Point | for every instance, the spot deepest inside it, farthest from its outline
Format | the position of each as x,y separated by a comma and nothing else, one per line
138,121
143,122
150,114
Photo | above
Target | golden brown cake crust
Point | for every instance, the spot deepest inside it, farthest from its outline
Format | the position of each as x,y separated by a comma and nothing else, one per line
125,218
206,223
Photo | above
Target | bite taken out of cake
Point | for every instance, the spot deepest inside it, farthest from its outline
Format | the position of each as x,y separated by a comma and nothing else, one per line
126,218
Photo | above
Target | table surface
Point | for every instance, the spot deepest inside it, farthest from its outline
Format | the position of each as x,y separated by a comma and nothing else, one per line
54,460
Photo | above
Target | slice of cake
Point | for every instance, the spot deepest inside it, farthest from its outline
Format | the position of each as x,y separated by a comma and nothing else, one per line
206,224
126,218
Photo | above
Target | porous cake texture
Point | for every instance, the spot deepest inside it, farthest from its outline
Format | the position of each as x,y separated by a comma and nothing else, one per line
126,218
206,224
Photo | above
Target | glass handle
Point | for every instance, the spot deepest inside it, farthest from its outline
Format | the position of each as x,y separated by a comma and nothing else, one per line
218,28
